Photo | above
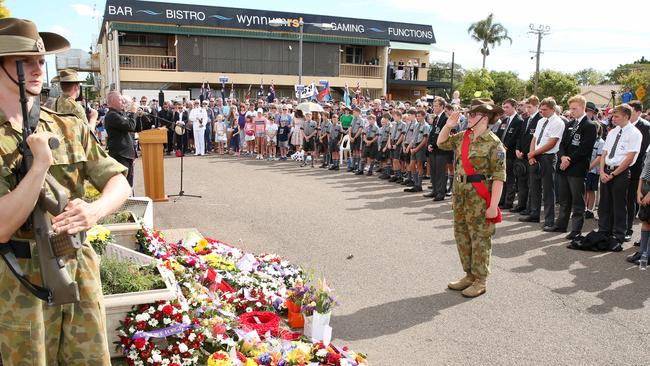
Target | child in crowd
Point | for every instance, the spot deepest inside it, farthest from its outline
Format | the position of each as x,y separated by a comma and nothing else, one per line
591,186
271,138
234,139
220,129
283,138
334,136
260,134
249,131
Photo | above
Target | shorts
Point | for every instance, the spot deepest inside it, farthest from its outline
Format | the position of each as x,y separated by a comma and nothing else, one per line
334,145
591,182
249,138
323,145
270,141
308,145
383,155
370,151
396,152
356,145
284,144
405,157
260,134
421,155
221,138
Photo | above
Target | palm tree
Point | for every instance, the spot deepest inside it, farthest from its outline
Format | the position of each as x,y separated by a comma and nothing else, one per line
489,33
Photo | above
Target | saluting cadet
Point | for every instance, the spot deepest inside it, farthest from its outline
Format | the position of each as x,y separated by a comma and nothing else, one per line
398,131
370,136
335,135
384,152
355,131
418,151
479,175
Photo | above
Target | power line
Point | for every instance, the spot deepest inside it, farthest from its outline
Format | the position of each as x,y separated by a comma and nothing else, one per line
540,31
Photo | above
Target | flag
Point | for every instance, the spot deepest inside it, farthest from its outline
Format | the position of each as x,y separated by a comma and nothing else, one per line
232,90
260,93
346,95
223,91
324,95
357,95
248,93
314,93
271,96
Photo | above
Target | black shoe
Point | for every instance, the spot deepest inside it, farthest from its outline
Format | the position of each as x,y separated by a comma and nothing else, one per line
529,219
439,198
505,207
430,186
323,166
350,169
393,179
637,243
589,215
550,228
429,195
413,189
369,173
628,237
358,172
517,209
524,213
384,176
448,194
634,257
426,177
572,235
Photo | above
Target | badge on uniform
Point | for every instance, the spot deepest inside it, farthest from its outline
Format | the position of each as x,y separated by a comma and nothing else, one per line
576,140
501,155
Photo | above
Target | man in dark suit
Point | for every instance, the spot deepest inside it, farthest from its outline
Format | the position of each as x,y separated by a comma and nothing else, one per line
523,148
635,170
119,128
573,164
181,118
438,159
165,118
509,131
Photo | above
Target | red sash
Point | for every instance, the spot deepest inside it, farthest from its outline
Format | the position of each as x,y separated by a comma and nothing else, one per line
480,187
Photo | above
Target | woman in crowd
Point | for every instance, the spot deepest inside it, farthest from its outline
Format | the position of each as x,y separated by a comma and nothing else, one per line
235,138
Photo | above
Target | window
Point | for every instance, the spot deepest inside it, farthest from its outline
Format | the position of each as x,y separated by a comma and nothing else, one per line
353,55
143,40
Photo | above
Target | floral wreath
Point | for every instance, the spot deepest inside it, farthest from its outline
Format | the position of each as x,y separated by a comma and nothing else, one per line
160,334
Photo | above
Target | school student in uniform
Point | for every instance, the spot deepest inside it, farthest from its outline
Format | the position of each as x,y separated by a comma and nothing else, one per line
384,152
396,141
335,134
370,136
418,151
411,126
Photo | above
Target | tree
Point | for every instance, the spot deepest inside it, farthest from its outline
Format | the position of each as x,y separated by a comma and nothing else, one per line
554,84
636,79
477,83
4,11
621,71
489,34
441,71
589,76
507,85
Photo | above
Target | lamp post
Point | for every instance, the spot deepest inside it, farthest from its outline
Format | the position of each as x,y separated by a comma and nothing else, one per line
283,22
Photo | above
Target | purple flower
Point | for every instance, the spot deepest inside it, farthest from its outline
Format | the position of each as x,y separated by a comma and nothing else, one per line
264,359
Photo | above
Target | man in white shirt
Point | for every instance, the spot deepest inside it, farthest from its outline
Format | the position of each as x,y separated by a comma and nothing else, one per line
199,119
542,160
620,152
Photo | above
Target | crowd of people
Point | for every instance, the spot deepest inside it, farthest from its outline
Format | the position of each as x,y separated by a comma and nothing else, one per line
553,157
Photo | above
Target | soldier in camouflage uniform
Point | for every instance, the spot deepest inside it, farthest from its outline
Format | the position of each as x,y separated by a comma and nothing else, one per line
32,332
473,217
67,103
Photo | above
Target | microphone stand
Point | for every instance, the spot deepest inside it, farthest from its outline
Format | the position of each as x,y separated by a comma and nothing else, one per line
181,192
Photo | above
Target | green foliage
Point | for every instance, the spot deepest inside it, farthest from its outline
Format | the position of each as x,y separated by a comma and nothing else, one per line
507,85
615,76
119,277
634,80
488,33
120,217
441,71
589,76
476,81
554,84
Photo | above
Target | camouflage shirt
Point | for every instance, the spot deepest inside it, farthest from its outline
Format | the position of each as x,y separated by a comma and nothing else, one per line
67,105
486,153
78,158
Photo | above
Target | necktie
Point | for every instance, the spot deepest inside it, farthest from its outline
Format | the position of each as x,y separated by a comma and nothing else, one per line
541,133
618,137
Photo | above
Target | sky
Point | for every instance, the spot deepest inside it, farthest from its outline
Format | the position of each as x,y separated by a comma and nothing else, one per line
594,34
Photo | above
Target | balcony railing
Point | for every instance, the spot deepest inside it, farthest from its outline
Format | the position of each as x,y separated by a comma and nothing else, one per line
361,71
147,62
408,73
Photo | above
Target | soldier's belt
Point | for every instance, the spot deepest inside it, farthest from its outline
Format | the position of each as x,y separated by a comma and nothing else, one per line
471,178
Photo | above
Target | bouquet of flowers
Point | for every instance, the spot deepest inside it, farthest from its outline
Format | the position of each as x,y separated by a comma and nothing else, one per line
318,299
99,237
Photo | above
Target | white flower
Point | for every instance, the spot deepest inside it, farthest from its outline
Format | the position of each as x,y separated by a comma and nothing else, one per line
153,322
142,317
186,319
321,353
191,337
182,347
167,321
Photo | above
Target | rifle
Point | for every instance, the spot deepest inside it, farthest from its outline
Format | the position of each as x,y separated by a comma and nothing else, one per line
57,287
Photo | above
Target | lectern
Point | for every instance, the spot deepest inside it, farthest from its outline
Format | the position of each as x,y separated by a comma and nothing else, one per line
151,142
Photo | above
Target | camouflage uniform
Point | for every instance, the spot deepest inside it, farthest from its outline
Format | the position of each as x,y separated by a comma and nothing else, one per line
67,105
472,231
31,332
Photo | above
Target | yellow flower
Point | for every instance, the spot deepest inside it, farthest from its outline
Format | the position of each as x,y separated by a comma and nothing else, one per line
201,245
250,362
219,359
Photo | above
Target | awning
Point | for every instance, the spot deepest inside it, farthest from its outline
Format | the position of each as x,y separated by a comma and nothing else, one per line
410,46
228,32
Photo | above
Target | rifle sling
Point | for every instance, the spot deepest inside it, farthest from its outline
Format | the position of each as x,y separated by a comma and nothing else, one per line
8,255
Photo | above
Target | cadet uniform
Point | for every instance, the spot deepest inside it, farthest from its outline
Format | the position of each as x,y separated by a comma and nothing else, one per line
369,150
420,133
357,123
31,332
473,232
325,128
406,157
334,136
398,130
67,104
308,128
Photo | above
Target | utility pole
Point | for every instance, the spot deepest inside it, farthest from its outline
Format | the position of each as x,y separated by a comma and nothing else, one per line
540,30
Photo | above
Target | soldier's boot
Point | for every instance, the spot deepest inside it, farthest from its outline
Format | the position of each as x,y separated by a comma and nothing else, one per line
477,288
463,283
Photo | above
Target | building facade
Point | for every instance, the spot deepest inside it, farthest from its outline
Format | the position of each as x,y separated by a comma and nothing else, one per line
161,46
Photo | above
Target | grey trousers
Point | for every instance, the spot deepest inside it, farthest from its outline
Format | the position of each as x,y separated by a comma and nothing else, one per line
571,191
546,185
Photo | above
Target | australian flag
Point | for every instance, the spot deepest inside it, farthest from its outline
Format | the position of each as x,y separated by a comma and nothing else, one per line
324,95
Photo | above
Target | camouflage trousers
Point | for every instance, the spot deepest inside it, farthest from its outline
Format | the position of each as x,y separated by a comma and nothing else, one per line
36,334
472,231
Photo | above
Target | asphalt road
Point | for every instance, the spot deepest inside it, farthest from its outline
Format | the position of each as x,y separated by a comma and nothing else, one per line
545,305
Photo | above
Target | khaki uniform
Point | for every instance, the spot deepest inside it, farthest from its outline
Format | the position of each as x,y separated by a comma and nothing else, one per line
67,105
31,332
472,231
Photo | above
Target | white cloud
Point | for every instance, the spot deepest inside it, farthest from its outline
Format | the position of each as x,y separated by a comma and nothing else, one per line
85,10
59,29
